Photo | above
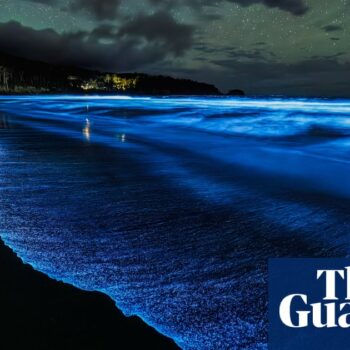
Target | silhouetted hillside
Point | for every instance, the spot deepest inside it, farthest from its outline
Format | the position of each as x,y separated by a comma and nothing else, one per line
19,75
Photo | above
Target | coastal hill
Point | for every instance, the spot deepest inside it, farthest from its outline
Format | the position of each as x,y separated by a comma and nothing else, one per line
22,76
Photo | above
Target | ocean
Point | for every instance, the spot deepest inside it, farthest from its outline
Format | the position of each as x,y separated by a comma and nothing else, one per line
173,206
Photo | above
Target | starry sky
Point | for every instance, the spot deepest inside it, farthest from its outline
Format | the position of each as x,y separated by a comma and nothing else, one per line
279,47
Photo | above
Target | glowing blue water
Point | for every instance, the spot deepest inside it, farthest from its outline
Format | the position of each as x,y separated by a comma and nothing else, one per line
173,206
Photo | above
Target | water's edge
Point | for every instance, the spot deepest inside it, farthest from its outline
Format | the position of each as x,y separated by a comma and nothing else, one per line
173,207
157,335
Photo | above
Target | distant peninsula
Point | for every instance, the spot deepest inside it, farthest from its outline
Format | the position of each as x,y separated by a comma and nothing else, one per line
22,76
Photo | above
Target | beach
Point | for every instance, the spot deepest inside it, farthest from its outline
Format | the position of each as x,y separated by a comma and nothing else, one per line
40,313
172,207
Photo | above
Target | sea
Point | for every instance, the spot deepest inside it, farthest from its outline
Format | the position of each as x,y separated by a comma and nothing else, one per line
172,206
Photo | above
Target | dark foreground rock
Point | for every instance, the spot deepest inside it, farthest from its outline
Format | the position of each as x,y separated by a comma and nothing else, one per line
39,313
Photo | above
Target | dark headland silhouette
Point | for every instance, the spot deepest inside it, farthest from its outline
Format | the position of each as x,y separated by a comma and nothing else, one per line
22,76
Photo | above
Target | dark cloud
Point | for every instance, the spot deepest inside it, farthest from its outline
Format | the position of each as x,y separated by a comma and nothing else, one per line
197,4
211,17
259,53
160,28
109,9
318,76
85,49
296,7
255,55
46,2
328,57
332,28
100,9
104,32
203,48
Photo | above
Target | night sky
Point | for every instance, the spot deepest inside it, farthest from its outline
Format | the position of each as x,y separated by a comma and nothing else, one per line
290,47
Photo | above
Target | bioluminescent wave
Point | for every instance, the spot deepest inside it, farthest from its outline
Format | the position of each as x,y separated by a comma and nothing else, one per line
172,206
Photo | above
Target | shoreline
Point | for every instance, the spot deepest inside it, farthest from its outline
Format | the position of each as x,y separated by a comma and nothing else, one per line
38,312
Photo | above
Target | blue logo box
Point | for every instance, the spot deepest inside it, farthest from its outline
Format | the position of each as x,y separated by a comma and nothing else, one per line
309,304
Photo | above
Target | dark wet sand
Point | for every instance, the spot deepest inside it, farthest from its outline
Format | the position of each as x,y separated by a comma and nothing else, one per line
40,313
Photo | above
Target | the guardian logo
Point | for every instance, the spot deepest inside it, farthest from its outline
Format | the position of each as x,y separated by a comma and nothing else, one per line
309,304
330,312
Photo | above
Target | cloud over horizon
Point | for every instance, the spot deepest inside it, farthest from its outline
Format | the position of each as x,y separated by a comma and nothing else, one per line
127,48
108,9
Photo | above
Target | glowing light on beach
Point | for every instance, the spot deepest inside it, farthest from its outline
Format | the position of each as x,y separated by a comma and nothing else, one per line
121,137
87,130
